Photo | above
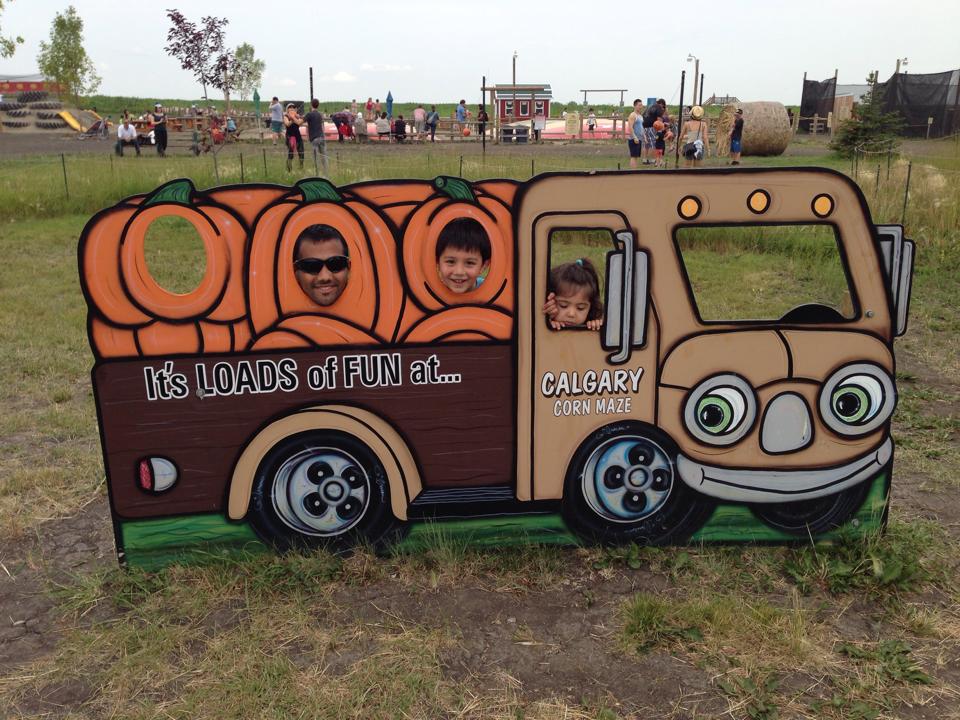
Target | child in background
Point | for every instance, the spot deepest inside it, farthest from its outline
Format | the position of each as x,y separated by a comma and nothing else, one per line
659,142
573,296
360,128
591,122
463,255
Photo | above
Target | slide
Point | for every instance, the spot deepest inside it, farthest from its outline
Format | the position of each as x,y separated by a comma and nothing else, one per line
70,120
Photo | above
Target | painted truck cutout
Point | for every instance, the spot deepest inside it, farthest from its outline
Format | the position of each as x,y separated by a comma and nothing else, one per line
242,412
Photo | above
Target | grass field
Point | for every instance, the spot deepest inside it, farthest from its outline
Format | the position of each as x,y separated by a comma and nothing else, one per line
861,628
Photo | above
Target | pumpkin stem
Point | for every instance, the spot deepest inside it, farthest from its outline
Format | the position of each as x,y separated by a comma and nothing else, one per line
319,189
454,187
178,192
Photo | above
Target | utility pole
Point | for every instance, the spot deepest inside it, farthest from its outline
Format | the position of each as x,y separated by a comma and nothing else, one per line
513,106
696,75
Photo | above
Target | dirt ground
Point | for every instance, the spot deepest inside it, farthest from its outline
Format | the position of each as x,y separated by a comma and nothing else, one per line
574,656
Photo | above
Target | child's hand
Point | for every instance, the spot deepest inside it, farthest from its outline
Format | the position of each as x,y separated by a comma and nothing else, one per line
550,308
556,325
594,324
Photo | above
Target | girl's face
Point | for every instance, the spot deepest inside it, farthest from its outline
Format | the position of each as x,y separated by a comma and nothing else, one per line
573,304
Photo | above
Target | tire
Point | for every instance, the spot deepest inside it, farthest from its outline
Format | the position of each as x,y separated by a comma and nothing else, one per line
321,489
813,313
813,517
622,486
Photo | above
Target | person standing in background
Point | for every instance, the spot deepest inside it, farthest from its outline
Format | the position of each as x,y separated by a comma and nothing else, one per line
695,134
736,136
433,118
653,113
482,120
634,132
419,122
159,120
292,122
360,128
318,140
276,118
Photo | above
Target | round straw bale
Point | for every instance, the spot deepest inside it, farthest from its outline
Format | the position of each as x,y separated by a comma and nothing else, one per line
766,128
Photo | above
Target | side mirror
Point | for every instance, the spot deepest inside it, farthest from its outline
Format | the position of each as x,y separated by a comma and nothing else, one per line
897,253
625,304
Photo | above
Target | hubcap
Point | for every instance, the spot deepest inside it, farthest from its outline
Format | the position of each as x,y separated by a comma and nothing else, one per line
321,491
627,478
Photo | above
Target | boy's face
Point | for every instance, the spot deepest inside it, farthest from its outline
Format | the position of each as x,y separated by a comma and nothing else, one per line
459,269
573,307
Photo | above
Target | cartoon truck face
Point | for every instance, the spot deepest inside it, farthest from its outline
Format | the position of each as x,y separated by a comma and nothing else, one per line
789,414
407,402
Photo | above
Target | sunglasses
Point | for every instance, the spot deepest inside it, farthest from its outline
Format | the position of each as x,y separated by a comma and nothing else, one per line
312,266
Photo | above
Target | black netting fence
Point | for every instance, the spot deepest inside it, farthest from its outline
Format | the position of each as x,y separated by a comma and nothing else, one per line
817,99
922,100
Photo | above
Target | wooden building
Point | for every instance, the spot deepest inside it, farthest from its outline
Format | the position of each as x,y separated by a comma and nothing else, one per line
531,100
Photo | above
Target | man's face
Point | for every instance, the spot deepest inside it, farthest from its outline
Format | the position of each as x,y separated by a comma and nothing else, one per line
459,269
324,287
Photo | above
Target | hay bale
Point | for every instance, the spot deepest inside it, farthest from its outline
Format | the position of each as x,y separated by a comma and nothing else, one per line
766,128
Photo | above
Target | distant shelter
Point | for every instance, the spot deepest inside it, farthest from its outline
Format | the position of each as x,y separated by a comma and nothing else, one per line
16,84
522,102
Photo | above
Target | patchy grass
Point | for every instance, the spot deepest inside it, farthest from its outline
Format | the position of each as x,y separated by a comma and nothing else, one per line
50,463
904,558
861,628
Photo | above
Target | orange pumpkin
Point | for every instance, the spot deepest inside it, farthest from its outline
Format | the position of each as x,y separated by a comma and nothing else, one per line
368,309
490,306
123,294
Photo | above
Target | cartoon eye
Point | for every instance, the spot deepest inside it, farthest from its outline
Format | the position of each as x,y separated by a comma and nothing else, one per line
857,399
720,410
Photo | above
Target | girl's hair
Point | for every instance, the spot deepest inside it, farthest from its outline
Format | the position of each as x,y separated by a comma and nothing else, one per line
576,275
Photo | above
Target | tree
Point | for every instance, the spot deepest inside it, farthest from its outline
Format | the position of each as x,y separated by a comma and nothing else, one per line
8,46
871,128
64,60
247,70
201,50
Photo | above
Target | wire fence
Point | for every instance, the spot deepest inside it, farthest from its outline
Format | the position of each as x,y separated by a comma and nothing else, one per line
898,187
46,185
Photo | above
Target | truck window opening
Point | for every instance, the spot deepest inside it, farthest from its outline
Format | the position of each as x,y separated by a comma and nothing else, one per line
781,268
593,244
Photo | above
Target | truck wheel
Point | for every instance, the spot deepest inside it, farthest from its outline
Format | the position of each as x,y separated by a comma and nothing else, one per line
813,517
622,486
322,488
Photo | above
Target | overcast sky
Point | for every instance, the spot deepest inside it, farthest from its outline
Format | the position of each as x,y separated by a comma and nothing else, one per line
439,51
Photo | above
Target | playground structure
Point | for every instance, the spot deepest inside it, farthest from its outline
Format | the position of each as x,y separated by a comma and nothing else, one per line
36,111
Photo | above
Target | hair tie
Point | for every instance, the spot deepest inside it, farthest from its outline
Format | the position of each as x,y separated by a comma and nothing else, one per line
579,262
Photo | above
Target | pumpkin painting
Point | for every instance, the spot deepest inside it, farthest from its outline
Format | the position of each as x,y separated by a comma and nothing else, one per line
483,312
368,309
248,297
134,312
